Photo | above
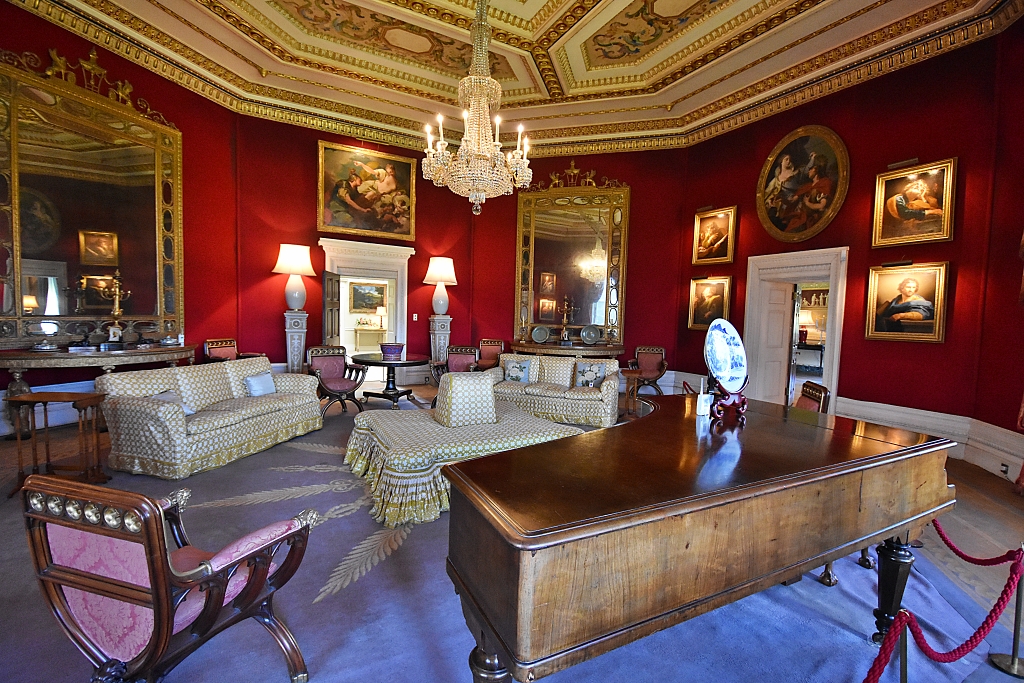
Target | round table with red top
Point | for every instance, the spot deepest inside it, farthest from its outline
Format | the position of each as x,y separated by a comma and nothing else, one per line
390,392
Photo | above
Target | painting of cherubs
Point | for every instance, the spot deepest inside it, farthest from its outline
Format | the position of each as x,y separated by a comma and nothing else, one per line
366,193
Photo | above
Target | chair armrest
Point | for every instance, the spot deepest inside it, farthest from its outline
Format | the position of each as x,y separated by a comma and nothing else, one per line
132,411
258,541
496,374
633,364
172,506
249,354
177,499
355,372
294,383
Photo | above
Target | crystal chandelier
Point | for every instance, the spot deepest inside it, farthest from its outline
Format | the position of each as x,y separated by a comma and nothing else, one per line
478,170
596,267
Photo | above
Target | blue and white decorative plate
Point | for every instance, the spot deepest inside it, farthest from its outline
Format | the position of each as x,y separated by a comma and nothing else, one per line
725,355
540,334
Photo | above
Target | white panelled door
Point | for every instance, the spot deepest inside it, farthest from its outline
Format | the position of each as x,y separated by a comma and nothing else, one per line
770,378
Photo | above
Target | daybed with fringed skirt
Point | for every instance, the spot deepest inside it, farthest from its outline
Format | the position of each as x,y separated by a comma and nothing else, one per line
401,452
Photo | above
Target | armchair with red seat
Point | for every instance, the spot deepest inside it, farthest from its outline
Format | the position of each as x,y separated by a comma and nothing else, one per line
216,350
338,378
459,359
650,361
490,353
136,607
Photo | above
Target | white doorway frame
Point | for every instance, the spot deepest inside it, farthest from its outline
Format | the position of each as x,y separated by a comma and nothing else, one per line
816,265
379,262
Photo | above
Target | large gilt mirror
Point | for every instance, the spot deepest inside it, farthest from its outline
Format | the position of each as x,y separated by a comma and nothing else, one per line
571,257
90,196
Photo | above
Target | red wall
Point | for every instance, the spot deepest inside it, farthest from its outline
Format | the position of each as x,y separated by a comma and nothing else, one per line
251,184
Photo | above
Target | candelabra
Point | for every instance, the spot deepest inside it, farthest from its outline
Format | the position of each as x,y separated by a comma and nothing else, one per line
116,294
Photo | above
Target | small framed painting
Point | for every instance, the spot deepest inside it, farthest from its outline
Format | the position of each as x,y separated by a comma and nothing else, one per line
365,297
914,205
709,300
907,303
95,286
98,248
363,192
547,283
714,236
546,310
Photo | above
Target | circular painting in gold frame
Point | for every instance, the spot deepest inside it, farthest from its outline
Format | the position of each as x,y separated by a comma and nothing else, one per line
803,184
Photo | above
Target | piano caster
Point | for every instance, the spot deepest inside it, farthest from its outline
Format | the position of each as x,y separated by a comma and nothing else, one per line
894,563
487,668
828,577
865,559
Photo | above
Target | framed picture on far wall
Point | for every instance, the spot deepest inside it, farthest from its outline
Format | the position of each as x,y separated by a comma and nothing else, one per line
914,204
365,297
547,283
907,303
714,236
95,286
368,193
546,310
97,248
709,300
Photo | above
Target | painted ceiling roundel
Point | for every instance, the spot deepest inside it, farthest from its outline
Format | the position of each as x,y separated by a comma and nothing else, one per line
582,76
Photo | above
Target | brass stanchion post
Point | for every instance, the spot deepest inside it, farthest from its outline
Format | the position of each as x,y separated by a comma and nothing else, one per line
1011,663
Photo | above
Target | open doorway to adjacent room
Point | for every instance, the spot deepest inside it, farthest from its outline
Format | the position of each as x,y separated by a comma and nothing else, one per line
358,314
780,356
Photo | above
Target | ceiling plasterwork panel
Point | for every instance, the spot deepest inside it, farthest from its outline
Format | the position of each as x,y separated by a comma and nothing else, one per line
582,75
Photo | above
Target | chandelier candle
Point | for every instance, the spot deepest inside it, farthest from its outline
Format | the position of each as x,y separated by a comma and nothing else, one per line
478,170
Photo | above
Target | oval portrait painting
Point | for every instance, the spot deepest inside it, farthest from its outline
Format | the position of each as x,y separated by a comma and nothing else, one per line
803,184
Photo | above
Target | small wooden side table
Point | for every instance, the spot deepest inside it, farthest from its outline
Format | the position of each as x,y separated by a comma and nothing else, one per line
632,384
89,468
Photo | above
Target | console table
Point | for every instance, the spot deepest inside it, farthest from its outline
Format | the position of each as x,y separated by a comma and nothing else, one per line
576,349
18,362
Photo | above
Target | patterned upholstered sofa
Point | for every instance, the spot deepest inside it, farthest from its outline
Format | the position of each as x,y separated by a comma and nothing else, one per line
155,437
401,452
550,392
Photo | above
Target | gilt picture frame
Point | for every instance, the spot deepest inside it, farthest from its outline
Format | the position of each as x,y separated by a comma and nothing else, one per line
98,248
93,286
714,236
709,300
914,205
365,297
364,192
546,310
907,303
803,184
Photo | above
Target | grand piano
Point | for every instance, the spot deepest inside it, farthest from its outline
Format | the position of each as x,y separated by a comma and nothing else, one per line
568,549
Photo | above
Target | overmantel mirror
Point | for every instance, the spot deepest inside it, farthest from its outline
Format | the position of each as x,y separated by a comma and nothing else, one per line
90,208
571,257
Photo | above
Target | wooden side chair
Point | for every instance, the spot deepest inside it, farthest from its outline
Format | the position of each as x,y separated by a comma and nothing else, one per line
459,359
490,351
132,604
815,397
650,361
217,350
338,378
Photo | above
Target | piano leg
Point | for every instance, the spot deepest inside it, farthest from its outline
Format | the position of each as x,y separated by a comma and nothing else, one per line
483,662
894,562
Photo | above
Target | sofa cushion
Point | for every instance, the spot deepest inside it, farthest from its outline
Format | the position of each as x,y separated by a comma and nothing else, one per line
584,394
138,382
534,366
556,370
549,389
209,420
203,385
172,397
518,370
260,385
589,374
250,406
509,388
238,370
463,399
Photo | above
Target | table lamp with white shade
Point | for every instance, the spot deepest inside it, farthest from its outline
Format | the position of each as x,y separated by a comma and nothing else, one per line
440,272
381,312
293,260
805,321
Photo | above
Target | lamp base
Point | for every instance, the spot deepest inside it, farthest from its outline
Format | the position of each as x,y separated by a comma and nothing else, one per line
440,299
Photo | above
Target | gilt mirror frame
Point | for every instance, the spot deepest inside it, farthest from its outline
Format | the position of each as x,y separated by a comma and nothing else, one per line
573,188
83,100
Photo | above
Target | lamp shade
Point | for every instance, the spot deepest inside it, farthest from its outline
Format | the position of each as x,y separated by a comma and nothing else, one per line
805,318
381,310
440,271
29,302
294,260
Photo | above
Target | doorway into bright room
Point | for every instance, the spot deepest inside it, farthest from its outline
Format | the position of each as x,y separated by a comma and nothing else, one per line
787,342
359,315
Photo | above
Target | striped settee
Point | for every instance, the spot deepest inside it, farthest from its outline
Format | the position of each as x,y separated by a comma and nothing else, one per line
155,437
550,392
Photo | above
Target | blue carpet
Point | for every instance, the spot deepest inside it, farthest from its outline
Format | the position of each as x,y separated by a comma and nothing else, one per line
370,604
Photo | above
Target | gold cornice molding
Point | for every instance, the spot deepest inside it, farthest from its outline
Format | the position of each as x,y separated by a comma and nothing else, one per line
658,134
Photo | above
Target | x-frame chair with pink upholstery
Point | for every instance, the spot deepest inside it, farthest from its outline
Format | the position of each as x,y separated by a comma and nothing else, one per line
224,349
338,378
650,361
490,352
136,608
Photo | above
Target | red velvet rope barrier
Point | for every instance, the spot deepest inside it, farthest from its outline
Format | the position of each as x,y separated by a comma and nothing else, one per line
905,618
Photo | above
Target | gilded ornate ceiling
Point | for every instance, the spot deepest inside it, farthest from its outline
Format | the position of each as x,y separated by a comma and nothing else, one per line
581,75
